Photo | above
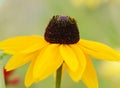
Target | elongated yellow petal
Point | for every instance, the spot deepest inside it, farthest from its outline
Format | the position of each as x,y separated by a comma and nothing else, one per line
99,50
19,59
33,48
89,76
29,75
69,57
76,76
47,62
17,44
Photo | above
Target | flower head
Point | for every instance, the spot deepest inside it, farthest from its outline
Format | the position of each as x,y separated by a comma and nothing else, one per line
60,46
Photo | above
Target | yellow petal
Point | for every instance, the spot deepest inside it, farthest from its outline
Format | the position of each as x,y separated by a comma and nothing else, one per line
33,48
47,62
19,59
69,57
29,75
89,76
76,76
99,50
17,44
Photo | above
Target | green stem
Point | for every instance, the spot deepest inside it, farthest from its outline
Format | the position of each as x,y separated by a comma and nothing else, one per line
58,77
2,81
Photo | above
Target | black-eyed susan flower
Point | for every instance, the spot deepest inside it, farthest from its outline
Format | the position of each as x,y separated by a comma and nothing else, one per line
61,47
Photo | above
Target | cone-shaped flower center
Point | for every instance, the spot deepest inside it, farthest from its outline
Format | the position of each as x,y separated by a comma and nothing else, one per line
63,30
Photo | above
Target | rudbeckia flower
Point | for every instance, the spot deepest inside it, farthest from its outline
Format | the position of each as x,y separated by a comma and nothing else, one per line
61,46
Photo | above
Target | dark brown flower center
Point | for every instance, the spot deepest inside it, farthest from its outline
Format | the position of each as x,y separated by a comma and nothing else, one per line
62,30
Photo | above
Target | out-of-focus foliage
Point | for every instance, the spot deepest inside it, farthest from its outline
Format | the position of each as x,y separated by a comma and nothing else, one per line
89,3
92,3
112,68
97,20
111,71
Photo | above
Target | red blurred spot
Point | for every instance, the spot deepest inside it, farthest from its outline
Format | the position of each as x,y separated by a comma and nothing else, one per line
8,81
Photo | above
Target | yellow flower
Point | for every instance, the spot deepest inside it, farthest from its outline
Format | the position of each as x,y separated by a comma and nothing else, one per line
60,46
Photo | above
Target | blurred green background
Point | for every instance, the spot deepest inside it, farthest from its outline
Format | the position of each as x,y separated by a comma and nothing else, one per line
99,21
